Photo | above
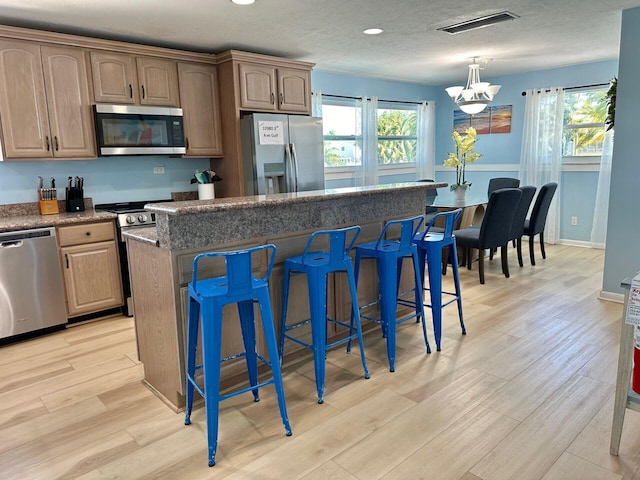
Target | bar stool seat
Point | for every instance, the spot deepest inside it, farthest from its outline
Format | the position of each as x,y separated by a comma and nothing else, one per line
317,265
430,246
207,297
389,255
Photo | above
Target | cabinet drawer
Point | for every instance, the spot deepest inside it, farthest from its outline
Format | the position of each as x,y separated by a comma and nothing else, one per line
86,233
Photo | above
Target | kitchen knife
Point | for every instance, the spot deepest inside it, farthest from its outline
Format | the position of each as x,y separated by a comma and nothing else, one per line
53,182
81,183
70,183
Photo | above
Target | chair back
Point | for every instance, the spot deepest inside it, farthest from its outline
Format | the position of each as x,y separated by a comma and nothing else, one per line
502,182
450,219
540,210
498,217
341,242
517,227
408,228
238,265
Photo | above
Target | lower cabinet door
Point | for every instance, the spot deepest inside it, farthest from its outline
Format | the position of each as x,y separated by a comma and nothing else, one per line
92,277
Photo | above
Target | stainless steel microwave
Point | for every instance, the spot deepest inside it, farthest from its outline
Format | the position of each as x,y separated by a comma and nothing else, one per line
134,130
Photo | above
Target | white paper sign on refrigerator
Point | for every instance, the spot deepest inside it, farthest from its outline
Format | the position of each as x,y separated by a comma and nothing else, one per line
271,133
632,316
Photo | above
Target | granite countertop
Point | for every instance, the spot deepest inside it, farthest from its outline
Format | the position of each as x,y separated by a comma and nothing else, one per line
24,216
145,235
237,203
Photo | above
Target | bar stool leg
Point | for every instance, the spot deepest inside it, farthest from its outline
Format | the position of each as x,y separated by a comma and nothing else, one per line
211,348
283,310
434,268
456,281
248,326
264,303
388,304
193,320
419,299
318,304
355,319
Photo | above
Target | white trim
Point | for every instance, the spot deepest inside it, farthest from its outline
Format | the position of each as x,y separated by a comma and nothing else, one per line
515,167
611,296
575,243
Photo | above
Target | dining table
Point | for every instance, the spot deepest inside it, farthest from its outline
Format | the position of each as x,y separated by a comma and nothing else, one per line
473,205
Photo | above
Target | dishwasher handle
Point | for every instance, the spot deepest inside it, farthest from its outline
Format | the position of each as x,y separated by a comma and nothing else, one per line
11,244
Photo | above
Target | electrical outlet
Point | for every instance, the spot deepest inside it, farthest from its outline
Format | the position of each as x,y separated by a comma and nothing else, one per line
158,170
574,220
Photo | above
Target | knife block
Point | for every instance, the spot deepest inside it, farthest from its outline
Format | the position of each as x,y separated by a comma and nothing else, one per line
74,199
47,207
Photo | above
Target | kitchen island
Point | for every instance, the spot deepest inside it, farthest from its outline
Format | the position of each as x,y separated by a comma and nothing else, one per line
160,263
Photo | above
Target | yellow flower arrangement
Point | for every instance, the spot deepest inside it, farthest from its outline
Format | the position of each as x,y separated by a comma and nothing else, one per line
464,154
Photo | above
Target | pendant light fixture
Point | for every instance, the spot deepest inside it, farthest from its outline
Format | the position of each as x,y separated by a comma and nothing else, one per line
476,95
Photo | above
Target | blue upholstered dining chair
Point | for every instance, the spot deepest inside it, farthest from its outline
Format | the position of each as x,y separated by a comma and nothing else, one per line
502,182
519,218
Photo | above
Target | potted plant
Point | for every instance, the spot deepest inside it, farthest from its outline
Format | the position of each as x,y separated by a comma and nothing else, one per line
464,154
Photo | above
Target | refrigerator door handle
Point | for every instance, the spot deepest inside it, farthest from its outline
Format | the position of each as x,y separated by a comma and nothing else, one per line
288,169
295,166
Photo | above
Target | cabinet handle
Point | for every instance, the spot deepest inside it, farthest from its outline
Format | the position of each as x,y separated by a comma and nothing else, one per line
88,234
130,91
46,138
272,98
186,143
281,99
143,92
66,259
55,140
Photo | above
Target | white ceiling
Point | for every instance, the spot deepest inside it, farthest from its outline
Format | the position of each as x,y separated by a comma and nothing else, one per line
549,33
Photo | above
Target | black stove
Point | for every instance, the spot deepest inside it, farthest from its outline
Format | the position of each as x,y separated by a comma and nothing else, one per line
130,215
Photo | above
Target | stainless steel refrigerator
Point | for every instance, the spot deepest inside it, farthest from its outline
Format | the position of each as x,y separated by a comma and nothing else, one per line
282,153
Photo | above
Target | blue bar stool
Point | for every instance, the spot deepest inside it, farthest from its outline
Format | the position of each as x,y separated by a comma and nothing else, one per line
389,255
430,245
208,296
317,265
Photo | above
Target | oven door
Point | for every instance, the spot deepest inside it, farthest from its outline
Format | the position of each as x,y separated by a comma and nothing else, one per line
133,130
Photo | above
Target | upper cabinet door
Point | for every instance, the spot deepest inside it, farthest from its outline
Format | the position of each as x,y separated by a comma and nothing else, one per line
257,87
23,106
201,107
294,90
114,78
69,102
158,82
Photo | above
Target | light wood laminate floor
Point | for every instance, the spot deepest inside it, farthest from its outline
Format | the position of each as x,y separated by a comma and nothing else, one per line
526,394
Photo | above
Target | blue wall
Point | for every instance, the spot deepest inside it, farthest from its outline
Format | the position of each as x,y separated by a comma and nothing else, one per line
106,180
622,256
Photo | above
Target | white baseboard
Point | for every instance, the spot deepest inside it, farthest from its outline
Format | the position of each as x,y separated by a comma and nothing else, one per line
575,243
611,296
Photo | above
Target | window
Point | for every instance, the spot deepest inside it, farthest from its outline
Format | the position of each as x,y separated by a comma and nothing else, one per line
397,135
583,134
342,144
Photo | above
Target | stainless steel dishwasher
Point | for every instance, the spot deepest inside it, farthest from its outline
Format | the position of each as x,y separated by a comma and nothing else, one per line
31,289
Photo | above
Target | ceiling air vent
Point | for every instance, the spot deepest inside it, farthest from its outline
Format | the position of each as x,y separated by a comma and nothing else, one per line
480,22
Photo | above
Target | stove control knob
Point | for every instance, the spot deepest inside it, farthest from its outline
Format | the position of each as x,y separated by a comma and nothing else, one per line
142,218
131,219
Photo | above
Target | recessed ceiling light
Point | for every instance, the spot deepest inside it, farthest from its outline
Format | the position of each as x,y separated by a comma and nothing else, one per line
243,2
373,31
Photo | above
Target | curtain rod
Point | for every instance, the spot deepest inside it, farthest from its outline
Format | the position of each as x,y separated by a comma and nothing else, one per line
380,100
524,94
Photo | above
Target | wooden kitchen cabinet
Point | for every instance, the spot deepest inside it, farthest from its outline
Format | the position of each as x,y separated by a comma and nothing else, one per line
200,102
270,88
45,104
90,266
127,79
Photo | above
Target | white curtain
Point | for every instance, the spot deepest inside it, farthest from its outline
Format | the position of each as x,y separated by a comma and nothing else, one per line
600,215
368,173
425,162
316,103
541,155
